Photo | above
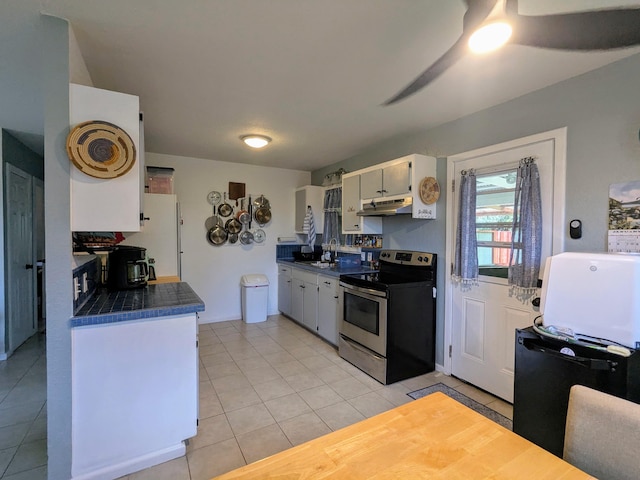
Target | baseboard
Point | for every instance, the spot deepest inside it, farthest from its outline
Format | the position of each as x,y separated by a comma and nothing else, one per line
133,465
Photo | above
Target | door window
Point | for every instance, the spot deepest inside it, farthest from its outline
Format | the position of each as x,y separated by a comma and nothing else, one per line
495,195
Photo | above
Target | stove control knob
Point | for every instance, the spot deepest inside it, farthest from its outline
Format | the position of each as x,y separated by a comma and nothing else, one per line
419,259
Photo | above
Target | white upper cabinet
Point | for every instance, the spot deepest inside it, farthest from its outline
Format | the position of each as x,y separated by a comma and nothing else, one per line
409,176
309,195
351,222
106,204
386,182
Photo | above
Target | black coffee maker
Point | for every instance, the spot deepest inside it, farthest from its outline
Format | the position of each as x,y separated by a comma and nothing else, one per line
127,268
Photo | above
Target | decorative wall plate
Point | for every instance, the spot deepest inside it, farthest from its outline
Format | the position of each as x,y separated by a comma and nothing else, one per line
101,149
429,190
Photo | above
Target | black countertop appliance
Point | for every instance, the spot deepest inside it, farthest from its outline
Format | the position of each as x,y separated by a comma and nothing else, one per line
545,370
127,268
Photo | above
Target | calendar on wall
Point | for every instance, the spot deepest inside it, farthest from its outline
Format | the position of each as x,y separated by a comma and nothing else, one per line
624,217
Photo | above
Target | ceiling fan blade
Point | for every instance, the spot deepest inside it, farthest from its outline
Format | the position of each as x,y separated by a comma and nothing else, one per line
592,30
450,57
476,13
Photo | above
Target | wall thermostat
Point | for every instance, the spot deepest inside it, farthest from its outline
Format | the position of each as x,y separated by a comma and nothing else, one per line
575,229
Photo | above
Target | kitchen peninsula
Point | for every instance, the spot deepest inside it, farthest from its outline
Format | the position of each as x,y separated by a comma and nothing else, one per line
134,379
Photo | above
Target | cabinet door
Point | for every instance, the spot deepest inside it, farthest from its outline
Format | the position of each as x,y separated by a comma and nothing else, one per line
301,209
371,184
284,294
396,179
112,204
310,306
297,300
328,301
350,204
310,195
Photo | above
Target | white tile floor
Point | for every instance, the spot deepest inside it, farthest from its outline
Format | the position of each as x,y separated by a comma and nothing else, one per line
269,386
23,412
263,388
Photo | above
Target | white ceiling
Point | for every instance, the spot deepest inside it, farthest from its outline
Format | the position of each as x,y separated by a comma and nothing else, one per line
311,74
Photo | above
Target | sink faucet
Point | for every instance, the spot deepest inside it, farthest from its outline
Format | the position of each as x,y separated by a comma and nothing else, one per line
333,255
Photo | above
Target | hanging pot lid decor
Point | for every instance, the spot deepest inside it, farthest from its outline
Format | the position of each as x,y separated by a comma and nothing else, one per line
101,149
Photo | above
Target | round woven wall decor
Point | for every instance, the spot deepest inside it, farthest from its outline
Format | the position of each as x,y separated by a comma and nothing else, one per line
429,190
101,149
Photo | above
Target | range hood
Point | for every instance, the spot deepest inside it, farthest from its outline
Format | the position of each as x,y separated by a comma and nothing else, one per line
386,208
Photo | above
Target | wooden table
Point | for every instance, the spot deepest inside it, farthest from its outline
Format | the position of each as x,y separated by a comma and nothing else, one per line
434,437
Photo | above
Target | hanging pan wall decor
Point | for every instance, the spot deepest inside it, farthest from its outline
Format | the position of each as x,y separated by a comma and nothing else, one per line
101,149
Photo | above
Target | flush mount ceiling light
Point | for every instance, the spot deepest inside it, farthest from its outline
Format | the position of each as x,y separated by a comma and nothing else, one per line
493,33
256,141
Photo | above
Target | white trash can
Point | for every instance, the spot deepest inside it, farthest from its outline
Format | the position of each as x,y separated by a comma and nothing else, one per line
255,297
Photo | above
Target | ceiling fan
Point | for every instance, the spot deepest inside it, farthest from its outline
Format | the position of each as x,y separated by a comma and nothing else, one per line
589,30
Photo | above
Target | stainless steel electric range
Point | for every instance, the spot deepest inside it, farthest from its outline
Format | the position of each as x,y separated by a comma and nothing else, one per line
388,318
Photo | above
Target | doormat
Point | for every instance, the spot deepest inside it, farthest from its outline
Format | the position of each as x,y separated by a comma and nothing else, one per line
466,401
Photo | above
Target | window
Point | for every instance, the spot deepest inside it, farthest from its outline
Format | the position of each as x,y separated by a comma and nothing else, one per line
495,194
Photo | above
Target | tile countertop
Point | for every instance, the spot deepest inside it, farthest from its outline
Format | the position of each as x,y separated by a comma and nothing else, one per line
148,302
330,272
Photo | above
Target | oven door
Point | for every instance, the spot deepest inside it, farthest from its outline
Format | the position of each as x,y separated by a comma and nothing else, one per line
364,317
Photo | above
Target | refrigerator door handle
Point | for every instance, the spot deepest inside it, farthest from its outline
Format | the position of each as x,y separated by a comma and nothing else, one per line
590,363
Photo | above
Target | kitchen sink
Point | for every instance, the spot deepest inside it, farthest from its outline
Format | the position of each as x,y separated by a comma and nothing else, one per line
316,263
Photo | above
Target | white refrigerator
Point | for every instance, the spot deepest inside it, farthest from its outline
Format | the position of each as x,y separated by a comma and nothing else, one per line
160,234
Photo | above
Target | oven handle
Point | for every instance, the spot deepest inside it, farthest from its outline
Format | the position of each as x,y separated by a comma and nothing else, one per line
370,291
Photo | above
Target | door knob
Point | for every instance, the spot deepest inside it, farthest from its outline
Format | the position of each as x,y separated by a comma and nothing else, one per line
29,266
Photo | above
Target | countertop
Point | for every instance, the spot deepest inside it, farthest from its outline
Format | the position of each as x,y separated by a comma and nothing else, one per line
148,302
330,272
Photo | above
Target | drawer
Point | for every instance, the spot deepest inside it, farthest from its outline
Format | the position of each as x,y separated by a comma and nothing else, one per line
284,270
305,276
328,283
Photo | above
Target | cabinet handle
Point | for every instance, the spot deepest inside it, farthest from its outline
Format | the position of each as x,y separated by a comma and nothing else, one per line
336,297
379,191
383,191
29,266
327,283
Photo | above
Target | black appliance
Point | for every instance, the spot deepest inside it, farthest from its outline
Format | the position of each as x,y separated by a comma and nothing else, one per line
545,370
127,268
388,318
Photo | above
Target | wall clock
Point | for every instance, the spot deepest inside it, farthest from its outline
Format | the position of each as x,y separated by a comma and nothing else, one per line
214,197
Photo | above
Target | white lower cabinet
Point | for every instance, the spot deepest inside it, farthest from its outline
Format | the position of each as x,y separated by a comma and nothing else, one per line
311,299
304,298
134,394
284,290
328,308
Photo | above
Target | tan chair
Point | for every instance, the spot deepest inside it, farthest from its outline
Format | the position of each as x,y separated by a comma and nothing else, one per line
602,435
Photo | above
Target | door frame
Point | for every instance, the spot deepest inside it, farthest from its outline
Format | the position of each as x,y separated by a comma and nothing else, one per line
559,137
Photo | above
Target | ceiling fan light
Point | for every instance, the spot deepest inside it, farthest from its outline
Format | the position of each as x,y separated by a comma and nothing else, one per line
490,36
256,141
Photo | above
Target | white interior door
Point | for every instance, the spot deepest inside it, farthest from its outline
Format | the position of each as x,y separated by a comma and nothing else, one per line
21,311
481,319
